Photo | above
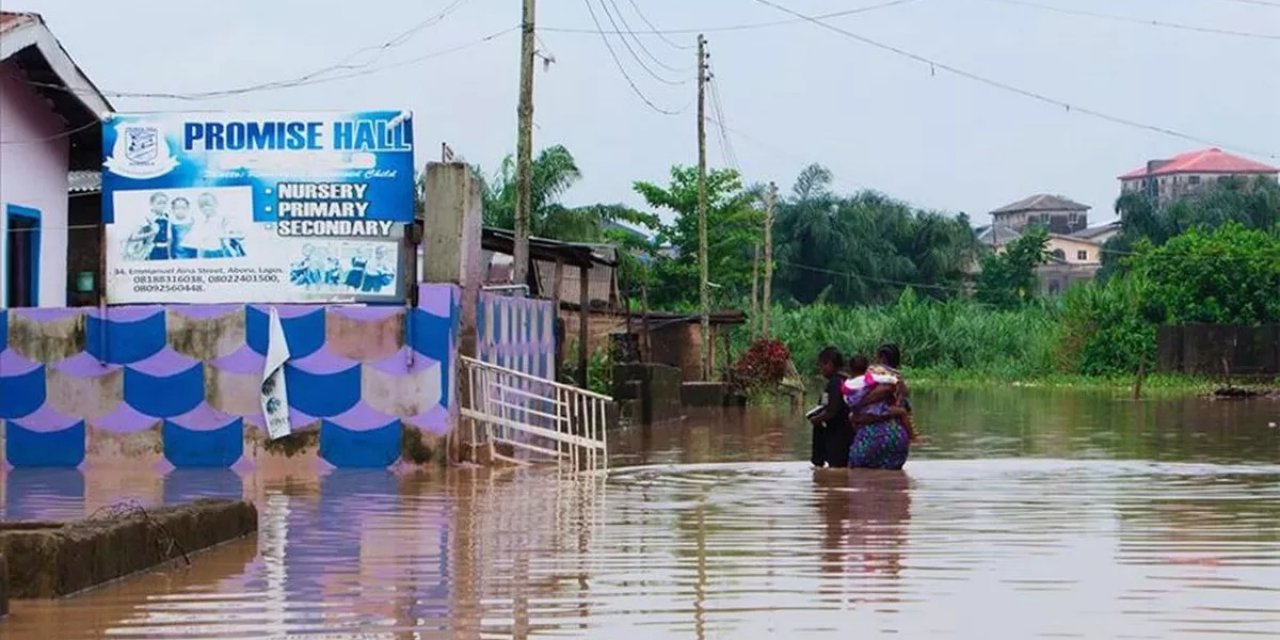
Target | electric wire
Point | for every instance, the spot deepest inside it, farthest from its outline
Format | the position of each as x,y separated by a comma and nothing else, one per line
1009,88
1141,21
621,69
626,43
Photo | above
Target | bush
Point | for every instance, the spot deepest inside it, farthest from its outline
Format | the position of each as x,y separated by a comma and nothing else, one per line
763,366
1107,329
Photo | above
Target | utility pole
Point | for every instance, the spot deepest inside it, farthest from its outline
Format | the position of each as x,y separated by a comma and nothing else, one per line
755,291
524,150
770,199
703,282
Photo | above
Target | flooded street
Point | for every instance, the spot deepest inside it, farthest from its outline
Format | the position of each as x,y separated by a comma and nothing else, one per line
1027,514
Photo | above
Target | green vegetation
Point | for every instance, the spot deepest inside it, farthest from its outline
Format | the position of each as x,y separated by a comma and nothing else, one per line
858,270
1009,279
941,337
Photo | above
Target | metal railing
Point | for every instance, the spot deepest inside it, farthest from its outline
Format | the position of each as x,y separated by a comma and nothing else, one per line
542,418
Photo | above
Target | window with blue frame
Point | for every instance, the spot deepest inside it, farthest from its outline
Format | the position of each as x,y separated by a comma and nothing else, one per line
22,249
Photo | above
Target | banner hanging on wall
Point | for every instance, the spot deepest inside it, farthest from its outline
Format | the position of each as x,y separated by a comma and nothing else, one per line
256,207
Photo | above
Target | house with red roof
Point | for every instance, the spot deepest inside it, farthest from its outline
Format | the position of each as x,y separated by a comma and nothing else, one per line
1193,173
50,124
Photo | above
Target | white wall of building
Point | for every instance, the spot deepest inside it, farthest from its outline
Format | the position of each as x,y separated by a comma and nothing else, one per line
34,159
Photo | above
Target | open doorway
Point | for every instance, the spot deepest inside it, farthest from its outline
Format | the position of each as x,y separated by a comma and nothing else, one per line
22,259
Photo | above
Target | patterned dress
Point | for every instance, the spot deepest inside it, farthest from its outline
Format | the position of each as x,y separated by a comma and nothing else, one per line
880,445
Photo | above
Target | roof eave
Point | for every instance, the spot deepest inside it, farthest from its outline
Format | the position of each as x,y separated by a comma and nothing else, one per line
35,33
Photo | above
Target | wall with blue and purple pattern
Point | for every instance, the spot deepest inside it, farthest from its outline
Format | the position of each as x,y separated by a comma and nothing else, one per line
359,376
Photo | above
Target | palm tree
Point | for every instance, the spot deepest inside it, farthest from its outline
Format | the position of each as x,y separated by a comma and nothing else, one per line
554,171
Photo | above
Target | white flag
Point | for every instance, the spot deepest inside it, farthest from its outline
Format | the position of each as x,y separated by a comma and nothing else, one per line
275,398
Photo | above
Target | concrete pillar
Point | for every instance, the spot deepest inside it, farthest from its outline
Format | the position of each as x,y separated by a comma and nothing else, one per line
452,228
451,252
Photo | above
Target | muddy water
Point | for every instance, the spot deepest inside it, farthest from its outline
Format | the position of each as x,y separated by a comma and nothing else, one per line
1027,514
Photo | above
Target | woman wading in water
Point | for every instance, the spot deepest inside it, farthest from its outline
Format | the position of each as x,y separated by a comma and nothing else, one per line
880,412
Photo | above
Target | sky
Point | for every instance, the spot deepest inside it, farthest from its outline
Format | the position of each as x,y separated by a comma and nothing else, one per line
791,94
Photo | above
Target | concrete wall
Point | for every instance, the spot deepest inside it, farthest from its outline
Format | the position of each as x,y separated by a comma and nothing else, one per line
33,174
1071,248
1211,349
1055,279
180,383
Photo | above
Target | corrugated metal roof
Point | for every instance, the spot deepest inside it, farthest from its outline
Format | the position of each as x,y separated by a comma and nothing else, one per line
11,20
1004,234
1093,232
84,182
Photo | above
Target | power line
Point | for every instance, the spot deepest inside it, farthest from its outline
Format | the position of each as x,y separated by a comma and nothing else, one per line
64,134
307,78
1141,21
738,27
279,85
398,40
1004,86
640,43
621,69
656,31
717,106
1258,3
623,37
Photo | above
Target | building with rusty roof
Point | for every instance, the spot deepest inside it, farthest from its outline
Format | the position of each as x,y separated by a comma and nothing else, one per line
1193,173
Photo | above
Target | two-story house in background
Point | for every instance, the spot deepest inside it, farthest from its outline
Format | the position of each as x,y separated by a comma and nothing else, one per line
1075,248
1192,173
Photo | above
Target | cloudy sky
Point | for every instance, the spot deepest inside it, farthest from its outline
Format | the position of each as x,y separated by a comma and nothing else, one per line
791,93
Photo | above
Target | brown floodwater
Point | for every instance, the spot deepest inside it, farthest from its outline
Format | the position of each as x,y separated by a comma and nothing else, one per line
1026,514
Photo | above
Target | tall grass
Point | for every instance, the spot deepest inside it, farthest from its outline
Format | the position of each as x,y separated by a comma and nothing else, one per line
942,337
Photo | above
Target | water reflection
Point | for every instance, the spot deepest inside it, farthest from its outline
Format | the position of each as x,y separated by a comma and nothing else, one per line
33,493
1063,516
866,513
187,484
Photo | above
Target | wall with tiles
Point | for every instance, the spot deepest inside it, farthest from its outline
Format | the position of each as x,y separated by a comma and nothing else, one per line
181,381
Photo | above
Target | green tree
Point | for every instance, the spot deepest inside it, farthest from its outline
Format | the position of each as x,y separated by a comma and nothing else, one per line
1254,204
733,228
1229,275
1008,279
865,248
554,172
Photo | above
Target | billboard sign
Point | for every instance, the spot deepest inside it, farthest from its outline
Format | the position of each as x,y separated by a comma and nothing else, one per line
257,207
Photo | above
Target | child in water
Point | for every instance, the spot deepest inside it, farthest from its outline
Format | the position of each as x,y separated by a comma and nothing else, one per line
877,391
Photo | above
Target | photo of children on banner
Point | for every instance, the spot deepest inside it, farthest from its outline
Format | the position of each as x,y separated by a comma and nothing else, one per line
172,231
368,269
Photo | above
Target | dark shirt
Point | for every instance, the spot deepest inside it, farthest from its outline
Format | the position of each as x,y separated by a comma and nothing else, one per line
836,413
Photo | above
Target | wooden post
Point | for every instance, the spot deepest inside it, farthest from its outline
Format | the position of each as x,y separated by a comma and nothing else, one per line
524,148
755,291
771,198
626,303
584,307
646,349
704,286
556,287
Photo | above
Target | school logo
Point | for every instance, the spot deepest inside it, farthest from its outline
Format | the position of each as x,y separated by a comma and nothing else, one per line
141,146
140,152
